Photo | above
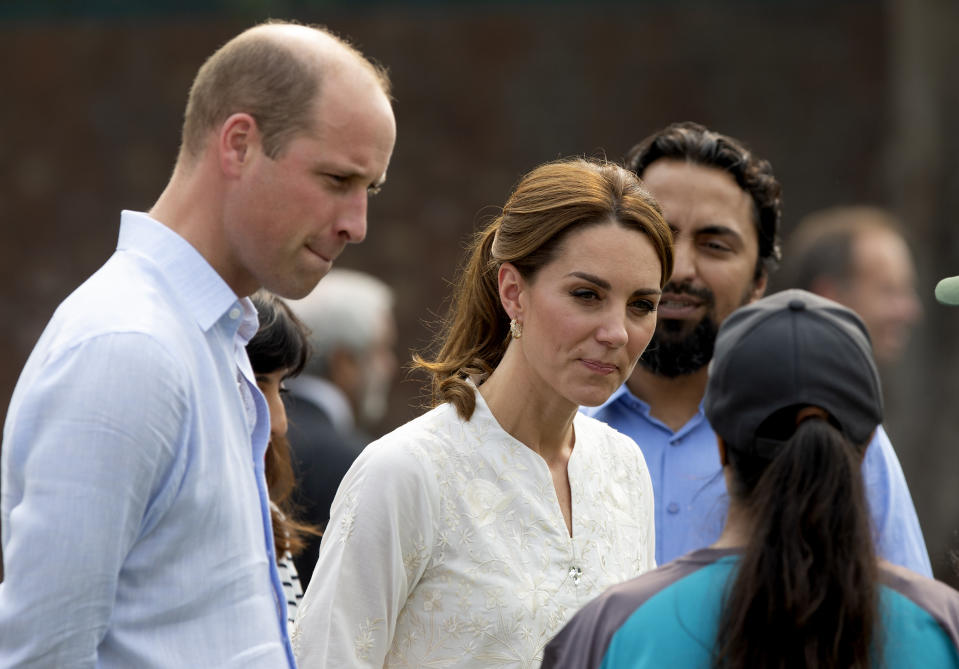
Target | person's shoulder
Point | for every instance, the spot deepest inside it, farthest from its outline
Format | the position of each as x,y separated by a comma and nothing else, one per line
938,600
122,297
586,638
413,444
595,431
925,591
643,587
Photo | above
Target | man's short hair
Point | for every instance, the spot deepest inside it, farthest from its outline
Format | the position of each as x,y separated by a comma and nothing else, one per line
259,74
821,246
345,310
695,143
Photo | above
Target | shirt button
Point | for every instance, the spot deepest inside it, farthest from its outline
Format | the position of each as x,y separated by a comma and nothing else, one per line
235,313
673,507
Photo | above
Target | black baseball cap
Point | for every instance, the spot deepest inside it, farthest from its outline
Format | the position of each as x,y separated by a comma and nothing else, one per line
791,348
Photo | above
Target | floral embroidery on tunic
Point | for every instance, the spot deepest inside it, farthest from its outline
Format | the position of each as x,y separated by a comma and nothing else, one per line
447,546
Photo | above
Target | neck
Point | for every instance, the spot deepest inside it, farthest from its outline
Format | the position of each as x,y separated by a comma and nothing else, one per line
737,530
192,206
671,400
543,420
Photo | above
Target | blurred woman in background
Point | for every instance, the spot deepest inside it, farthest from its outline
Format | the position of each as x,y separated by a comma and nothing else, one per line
278,351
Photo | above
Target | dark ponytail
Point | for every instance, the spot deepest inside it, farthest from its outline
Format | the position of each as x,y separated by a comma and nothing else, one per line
805,594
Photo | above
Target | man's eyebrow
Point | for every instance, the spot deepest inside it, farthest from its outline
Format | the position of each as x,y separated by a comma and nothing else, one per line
718,229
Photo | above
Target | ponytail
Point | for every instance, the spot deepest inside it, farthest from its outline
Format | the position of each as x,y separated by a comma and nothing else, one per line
474,336
805,594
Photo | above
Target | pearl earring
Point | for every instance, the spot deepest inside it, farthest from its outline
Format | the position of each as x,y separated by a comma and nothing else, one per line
516,329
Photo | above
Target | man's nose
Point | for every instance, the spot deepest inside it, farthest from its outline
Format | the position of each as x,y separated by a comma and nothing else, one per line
684,262
353,217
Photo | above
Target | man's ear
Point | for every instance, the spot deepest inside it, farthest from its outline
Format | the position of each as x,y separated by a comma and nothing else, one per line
511,290
239,137
759,286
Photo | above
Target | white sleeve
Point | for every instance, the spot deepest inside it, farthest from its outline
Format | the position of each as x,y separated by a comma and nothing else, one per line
647,509
649,515
374,551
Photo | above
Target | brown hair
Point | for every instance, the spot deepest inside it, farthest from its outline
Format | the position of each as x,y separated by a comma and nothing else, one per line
695,143
266,77
550,202
280,343
805,593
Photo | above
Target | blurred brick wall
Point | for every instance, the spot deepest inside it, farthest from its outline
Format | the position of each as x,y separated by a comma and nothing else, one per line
89,124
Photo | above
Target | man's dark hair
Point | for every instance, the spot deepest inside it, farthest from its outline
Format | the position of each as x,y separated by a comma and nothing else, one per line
695,143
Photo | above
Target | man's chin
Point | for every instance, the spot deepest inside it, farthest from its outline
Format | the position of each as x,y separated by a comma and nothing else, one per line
678,349
674,332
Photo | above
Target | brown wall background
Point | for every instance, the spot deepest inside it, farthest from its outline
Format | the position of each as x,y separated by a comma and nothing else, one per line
851,101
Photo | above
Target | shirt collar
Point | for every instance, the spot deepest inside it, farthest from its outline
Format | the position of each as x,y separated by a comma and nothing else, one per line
196,284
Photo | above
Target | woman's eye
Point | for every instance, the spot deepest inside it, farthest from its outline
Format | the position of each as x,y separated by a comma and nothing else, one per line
584,294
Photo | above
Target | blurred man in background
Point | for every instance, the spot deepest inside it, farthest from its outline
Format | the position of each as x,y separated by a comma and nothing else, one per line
857,256
343,393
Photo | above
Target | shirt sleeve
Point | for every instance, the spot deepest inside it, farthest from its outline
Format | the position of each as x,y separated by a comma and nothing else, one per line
374,551
899,537
89,442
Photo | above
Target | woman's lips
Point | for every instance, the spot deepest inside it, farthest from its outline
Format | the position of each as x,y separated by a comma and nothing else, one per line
600,367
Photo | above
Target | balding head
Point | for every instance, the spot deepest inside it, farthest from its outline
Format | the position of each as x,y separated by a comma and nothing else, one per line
274,72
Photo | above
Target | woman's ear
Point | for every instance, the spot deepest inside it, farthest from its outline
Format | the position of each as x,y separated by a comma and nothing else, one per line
511,288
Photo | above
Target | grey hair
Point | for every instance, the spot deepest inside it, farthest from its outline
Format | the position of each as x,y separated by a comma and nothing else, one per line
345,310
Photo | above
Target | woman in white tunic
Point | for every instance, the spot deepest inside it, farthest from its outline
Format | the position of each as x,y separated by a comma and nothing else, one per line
469,536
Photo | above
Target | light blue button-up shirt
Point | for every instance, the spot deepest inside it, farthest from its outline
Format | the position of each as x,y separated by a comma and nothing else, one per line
690,493
135,516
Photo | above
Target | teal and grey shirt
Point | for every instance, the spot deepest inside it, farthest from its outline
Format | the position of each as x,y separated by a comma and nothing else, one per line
668,618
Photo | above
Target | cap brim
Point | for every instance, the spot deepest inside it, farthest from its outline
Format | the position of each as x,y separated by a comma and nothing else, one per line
947,291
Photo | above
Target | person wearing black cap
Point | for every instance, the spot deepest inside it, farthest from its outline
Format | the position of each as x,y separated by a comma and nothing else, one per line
794,397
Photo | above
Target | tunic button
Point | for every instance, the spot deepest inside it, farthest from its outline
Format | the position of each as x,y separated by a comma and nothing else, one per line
673,507
234,313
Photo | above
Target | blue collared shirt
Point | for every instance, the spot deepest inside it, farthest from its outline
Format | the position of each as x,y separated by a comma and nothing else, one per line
690,493
135,516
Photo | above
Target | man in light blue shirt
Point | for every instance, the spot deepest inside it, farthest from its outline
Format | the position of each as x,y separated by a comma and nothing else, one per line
135,514
723,204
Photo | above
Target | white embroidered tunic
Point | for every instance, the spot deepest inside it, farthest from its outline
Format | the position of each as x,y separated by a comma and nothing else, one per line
447,547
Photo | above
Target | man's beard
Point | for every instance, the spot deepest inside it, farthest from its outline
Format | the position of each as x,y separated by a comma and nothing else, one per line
672,354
